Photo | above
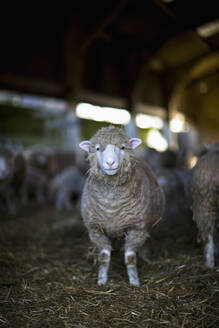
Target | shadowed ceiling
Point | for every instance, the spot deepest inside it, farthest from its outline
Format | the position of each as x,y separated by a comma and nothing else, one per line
146,56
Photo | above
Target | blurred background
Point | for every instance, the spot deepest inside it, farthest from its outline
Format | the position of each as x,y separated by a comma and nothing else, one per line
148,66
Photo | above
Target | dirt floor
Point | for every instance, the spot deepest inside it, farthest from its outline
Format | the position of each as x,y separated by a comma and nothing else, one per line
48,278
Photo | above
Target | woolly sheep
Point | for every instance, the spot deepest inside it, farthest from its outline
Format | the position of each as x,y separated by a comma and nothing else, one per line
37,184
205,198
6,175
41,168
175,185
64,186
42,158
18,182
121,198
12,179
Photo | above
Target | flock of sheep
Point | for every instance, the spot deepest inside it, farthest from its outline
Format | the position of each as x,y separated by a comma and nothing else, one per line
122,197
38,173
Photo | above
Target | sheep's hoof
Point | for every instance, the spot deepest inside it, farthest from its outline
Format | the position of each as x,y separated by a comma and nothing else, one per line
133,275
130,261
102,276
210,264
209,253
102,281
135,283
104,259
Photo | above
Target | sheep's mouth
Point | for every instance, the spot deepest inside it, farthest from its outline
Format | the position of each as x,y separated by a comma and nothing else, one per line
114,169
111,171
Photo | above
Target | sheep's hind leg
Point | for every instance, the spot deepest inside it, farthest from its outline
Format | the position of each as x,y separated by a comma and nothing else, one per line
209,252
104,262
130,261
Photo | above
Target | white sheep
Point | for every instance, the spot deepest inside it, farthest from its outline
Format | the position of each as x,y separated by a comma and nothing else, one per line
121,198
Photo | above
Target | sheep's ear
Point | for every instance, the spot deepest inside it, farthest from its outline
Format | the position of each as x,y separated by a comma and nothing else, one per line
85,145
135,142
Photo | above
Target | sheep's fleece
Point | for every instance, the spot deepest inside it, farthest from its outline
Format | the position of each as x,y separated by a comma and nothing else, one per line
121,197
205,195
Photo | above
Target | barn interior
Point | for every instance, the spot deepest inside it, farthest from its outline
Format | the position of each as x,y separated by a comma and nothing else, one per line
67,69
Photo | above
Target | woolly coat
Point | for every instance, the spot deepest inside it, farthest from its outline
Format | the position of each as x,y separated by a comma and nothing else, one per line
205,192
126,204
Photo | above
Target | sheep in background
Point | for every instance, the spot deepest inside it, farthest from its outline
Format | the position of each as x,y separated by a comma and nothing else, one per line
6,166
42,158
18,183
65,158
205,198
41,167
121,198
6,175
157,160
12,179
64,186
175,184
37,184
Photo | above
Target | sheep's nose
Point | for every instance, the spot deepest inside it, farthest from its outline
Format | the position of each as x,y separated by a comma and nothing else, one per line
110,163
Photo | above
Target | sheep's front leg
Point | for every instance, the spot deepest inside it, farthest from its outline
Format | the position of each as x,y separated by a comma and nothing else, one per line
130,261
102,242
134,240
209,252
104,263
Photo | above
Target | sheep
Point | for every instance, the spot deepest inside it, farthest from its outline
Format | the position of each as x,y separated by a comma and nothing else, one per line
205,201
6,175
42,158
37,184
12,179
121,198
157,160
6,166
18,182
64,186
65,158
175,184
41,167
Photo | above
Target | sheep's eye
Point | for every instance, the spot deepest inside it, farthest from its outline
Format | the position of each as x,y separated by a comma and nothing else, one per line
123,147
97,148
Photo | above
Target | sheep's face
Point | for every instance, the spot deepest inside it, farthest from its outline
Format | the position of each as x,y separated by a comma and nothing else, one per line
111,153
110,159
